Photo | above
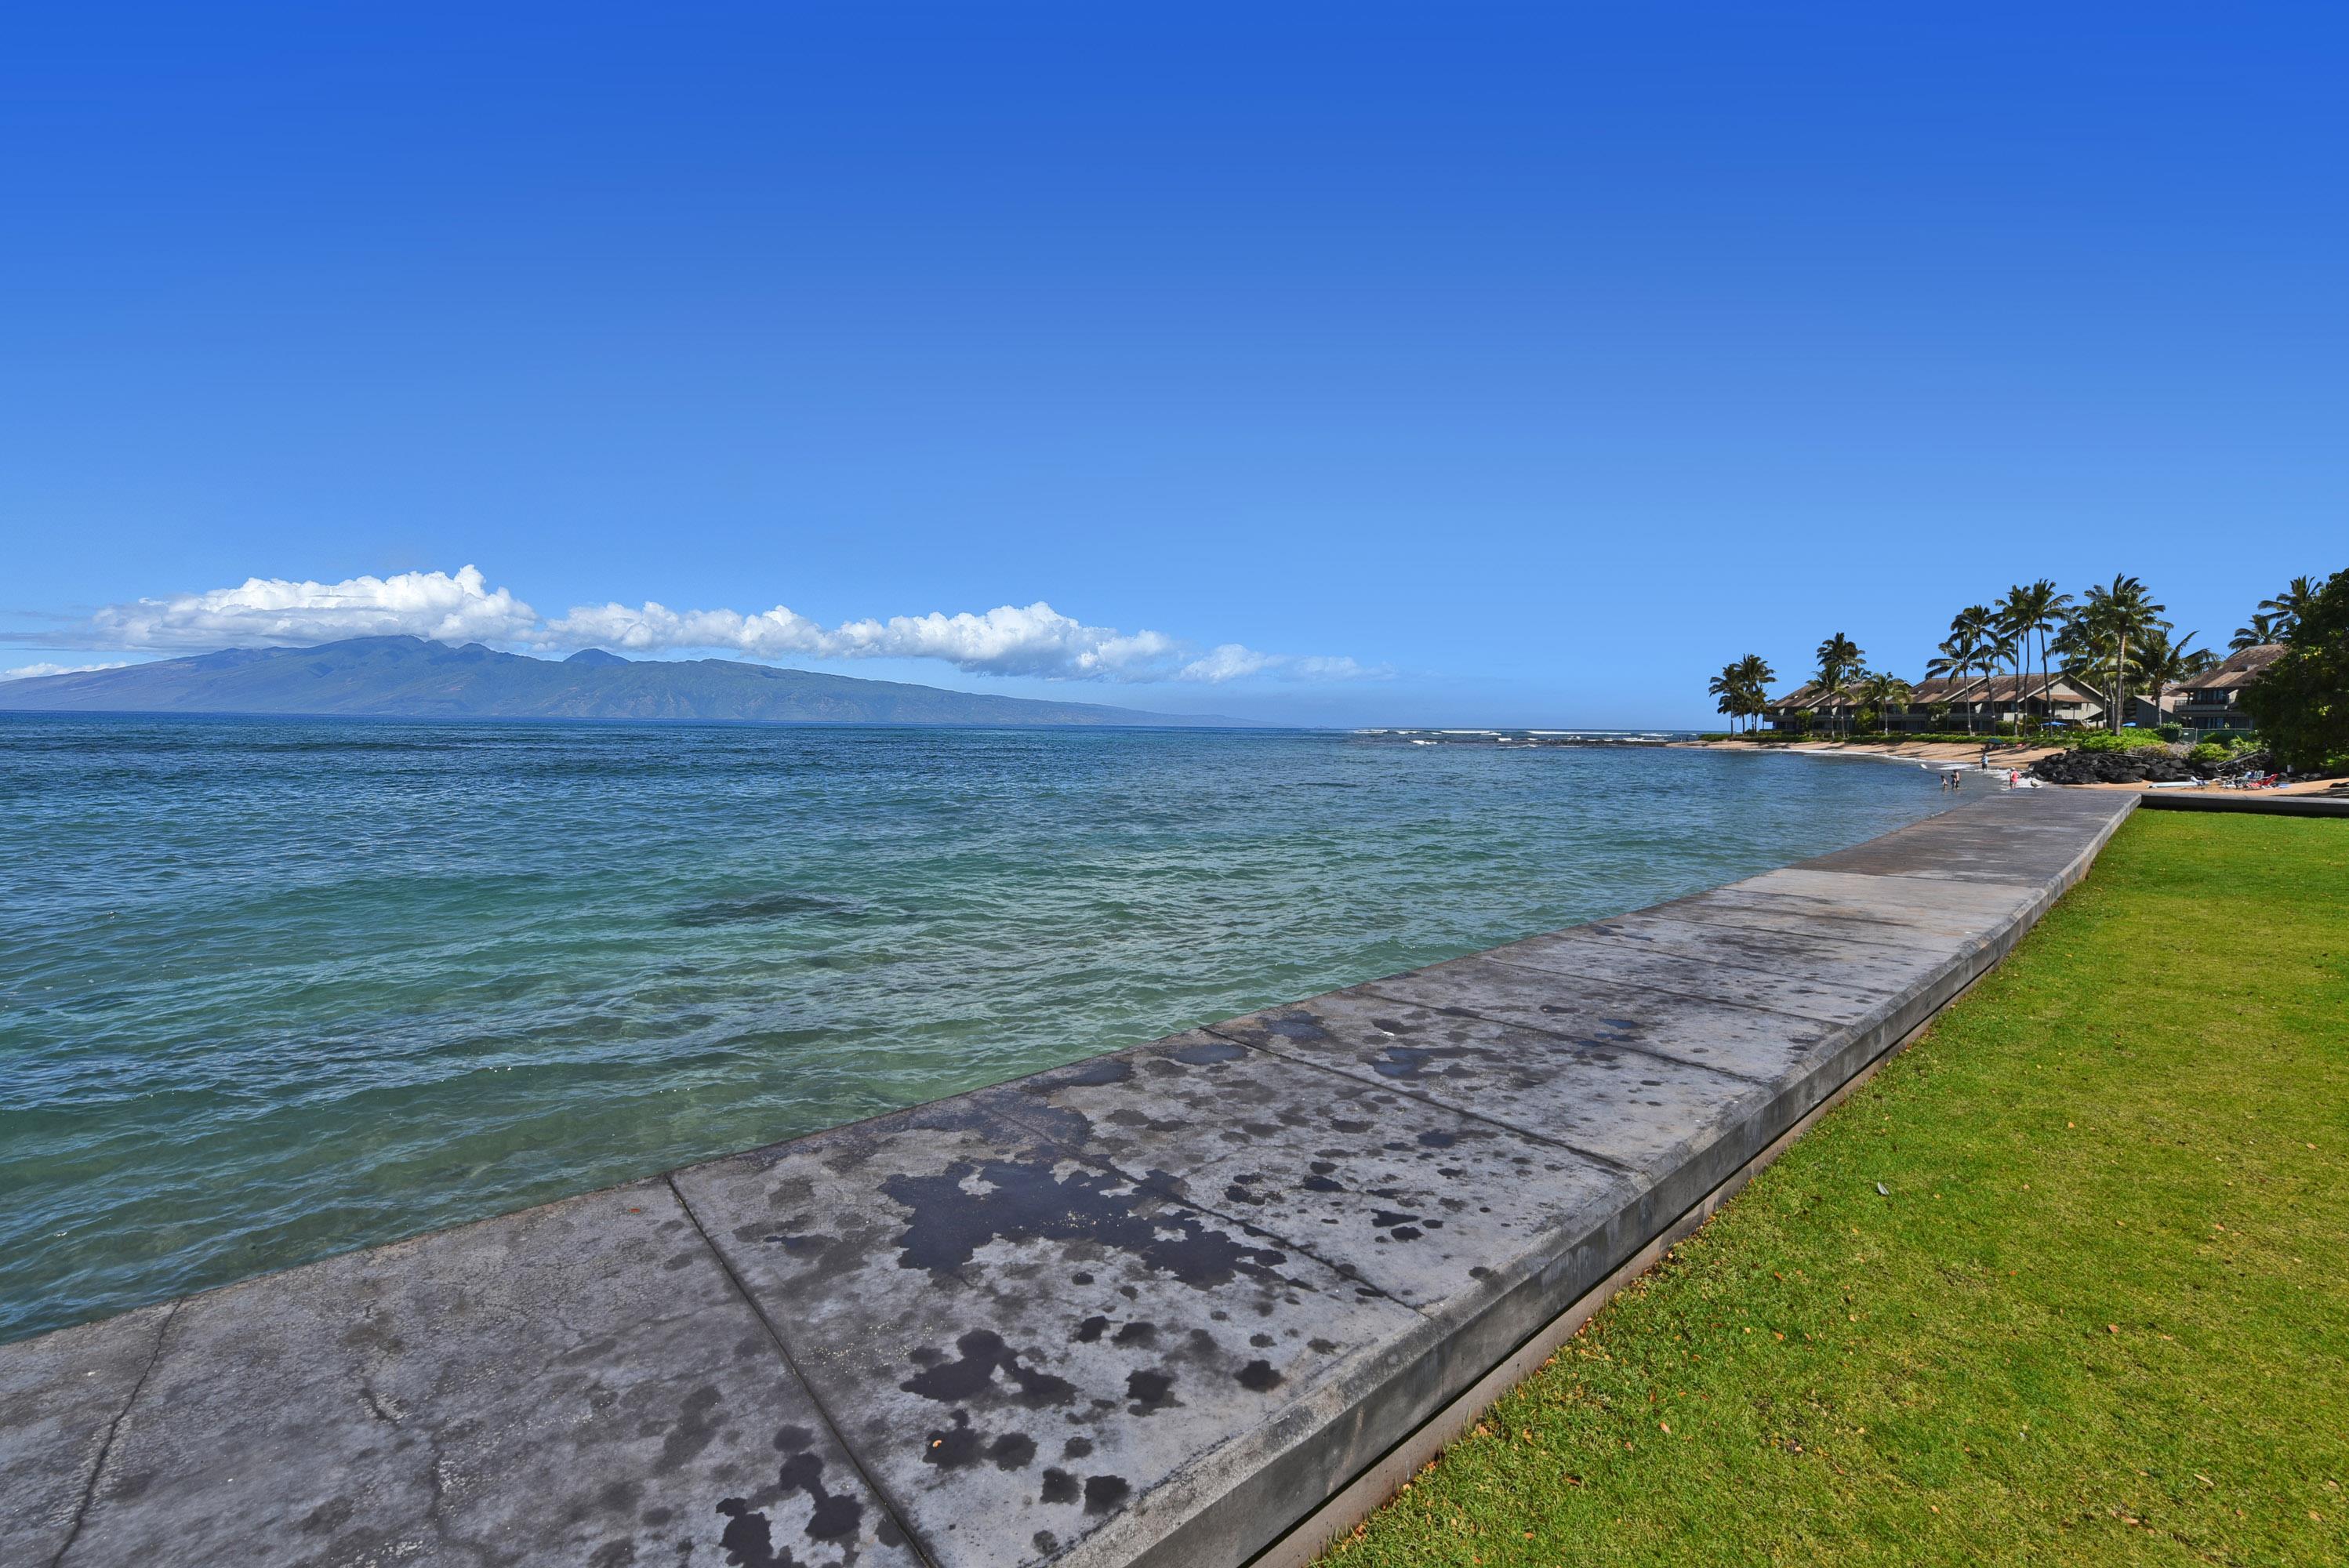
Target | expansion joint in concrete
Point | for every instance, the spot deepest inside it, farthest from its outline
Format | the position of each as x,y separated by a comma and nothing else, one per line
1618,942
1549,1139
1842,930
1716,998
1372,987
897,1515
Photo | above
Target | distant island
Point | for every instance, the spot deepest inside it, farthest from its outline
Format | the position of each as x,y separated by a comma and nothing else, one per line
410,677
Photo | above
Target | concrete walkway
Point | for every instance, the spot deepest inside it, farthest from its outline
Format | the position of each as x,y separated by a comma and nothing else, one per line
1153,1308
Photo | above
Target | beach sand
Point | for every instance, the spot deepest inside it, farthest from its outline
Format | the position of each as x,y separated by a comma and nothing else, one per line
2001,756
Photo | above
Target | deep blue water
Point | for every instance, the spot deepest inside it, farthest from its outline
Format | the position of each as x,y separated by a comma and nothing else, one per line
270,989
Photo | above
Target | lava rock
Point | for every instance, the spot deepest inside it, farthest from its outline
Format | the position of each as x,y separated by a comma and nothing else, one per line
2145,767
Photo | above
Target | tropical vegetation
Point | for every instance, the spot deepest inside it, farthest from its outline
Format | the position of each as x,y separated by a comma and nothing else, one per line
2114,641
2301,702
1743,689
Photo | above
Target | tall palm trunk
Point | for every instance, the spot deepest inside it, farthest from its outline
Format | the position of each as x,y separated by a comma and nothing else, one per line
2046,689
2120,683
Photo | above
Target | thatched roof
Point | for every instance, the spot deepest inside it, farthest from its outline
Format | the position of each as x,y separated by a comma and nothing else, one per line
2236,671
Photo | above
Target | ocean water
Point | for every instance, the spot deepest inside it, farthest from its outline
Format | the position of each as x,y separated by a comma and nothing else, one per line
272,989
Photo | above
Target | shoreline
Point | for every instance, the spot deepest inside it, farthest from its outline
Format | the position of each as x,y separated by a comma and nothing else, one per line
2016,754
1353,1208
2004,753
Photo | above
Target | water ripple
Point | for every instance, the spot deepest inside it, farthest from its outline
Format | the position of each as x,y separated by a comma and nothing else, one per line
272,989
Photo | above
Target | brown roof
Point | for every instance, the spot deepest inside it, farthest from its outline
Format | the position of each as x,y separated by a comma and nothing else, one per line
1940,688
2002,688
2237,670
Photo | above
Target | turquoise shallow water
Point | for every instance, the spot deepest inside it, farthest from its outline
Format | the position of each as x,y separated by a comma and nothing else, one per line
271,989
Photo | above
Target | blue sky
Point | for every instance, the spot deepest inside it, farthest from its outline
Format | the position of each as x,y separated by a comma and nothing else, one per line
1457,364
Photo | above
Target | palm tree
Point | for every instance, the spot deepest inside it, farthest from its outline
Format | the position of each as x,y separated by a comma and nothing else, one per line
1743,687
1724,686
2161,663
1954,662
2289,604
1838,658
2119,613
2264,628
1880,690
1754,675
2081,648
2035,612
1976,627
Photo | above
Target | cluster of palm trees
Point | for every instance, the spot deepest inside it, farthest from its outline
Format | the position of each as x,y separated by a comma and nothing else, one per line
1742,690
2274,620
2113,640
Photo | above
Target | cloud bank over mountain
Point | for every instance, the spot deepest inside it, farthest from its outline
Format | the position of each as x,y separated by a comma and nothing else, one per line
1033,640
36,671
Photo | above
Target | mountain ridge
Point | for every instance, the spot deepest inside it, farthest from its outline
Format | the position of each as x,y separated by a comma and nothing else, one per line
412,678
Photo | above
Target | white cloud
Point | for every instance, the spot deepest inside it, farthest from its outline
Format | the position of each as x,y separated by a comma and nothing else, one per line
1225,661
1010,639
34,672
1231,660
272,610
1034,640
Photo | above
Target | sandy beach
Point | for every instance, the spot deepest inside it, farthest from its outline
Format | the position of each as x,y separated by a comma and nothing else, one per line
2002,756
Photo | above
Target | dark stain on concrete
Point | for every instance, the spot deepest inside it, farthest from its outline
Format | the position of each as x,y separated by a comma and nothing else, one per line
748,1541
955,1447
984,1355
836,1517
693,1430
1259,1377
1026,1201
1149,1391
1105,1492
1099,1070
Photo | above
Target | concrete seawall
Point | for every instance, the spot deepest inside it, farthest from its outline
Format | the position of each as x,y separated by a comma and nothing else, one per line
1155,1309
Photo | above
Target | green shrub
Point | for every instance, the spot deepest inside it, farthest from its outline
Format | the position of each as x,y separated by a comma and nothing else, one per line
2173,733
2209,754
2125,740
2301,702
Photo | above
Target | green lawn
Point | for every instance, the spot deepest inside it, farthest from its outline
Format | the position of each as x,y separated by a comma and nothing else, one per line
2101,1318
